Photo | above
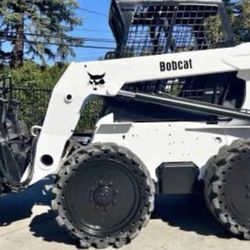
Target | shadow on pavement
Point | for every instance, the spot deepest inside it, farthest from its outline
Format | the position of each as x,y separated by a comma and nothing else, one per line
14,207
45,226
189,214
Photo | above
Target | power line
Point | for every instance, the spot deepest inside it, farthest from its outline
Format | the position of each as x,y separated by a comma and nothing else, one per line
91,30
93,12
87,58
89,39
72,38
59,44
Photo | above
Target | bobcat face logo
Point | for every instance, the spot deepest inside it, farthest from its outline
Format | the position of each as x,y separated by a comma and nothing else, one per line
96,80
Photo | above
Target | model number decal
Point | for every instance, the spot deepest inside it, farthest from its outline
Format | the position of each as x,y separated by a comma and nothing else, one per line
176,65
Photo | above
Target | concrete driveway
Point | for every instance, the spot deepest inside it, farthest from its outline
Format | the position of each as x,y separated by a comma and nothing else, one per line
26,223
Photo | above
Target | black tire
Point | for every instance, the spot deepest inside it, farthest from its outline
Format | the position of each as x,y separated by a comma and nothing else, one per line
112,172
227,187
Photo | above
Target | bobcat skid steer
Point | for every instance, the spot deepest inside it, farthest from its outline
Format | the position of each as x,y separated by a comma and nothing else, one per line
177,95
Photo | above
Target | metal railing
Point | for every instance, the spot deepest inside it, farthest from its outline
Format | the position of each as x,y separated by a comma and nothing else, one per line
33,100
34,103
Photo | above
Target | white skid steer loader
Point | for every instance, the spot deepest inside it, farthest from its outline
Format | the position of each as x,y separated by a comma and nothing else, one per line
177,115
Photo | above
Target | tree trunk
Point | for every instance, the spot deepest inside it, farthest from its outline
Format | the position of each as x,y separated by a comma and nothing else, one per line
18,50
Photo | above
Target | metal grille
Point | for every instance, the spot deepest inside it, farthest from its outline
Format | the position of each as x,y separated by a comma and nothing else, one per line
173,28
222,89
186,88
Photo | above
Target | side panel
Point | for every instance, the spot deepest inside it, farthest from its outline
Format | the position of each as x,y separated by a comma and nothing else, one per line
155,143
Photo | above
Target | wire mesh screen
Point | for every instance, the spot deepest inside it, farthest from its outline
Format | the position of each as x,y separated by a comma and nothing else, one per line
173,28
221,89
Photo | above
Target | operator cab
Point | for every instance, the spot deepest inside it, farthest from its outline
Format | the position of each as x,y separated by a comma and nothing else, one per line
165,26
143,27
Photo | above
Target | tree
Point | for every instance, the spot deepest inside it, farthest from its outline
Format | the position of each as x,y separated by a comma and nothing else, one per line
244,20
38,28
227,2
241,20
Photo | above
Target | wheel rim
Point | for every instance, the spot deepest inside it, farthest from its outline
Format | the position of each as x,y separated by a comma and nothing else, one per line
103,196
237,188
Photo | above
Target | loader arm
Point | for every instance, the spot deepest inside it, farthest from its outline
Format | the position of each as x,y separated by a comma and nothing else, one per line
106,78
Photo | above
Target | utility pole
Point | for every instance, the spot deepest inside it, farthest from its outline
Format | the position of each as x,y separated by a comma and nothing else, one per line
17,57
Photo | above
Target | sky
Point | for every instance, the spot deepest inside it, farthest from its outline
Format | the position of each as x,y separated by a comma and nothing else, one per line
94,22
94,26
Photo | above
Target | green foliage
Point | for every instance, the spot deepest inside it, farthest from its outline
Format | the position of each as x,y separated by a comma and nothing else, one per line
38,24
241,22
214,26
35,76
239,13
32,86
175,88
90,115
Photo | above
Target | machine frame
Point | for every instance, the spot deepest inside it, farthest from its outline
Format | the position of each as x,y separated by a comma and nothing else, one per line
106,78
